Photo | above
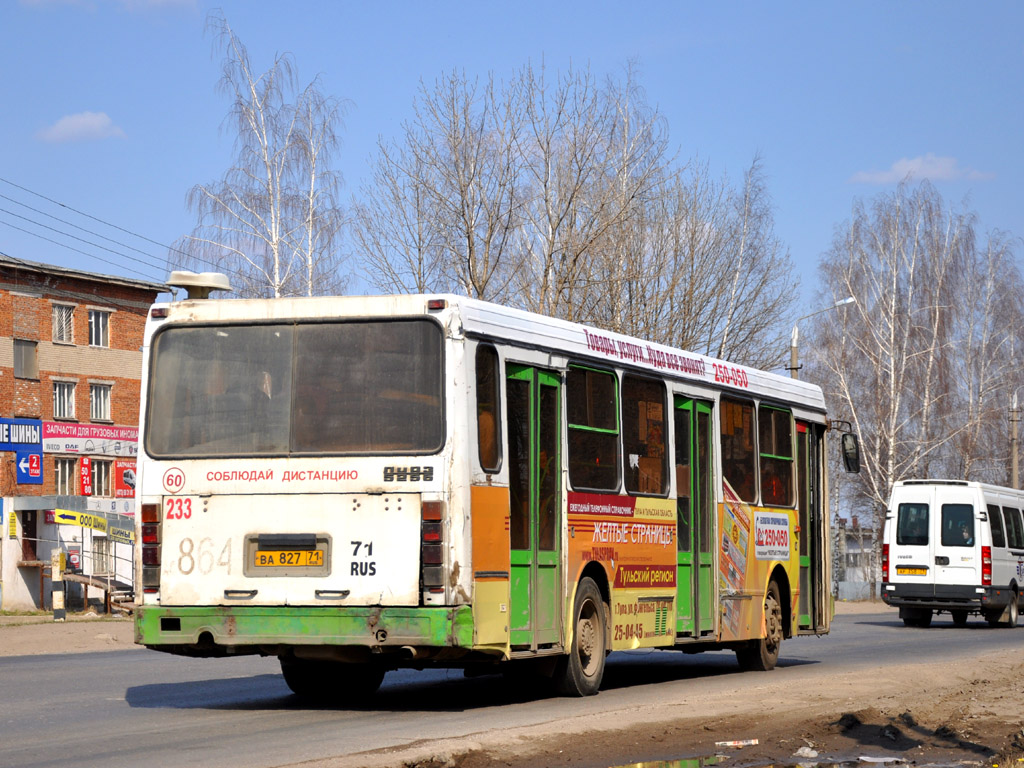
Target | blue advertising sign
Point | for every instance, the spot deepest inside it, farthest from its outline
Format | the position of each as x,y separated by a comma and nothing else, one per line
18,434
30,467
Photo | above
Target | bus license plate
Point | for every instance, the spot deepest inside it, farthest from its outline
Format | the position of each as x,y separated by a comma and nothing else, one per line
288,558
912,571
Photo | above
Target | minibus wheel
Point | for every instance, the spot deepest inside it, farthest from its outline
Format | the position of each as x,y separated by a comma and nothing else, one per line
1013,611
579,672
917,617
959,618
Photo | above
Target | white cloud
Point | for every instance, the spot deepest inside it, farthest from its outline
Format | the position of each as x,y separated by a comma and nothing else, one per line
928,166
85,126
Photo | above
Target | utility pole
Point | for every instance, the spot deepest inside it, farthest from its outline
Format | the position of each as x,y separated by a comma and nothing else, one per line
1014,419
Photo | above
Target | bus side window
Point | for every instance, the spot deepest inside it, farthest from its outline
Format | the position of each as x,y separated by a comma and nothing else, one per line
593,429
643,435
487,395
995,521
775,428
1014,528
738,457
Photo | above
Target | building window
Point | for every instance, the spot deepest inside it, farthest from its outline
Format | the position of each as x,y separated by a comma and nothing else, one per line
99,402
65,477
63,399
63,323
101,555
26,359
101,478
99,328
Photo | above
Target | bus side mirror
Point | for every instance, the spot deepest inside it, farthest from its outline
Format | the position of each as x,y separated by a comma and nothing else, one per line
851,452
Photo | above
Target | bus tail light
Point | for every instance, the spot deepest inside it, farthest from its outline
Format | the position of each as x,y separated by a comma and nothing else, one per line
885,563
150,548
432,547
986,566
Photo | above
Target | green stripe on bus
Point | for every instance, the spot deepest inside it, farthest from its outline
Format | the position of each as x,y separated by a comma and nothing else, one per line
252,625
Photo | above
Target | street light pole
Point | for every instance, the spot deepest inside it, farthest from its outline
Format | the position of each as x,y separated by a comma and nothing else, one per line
794,365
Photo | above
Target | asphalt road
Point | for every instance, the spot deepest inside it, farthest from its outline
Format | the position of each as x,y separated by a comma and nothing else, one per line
138,707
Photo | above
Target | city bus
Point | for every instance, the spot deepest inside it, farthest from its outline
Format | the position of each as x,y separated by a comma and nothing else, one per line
360,484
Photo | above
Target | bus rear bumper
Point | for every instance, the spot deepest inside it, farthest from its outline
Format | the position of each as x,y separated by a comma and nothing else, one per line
237,630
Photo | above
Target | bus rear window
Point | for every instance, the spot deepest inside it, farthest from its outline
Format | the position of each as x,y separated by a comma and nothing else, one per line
281,389
912,525
957,525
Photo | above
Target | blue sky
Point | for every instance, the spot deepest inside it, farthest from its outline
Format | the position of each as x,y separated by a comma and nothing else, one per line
110,107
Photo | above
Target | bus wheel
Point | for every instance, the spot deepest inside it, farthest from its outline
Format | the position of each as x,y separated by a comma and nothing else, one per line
1012,611
579,672
761,655
959,618
331,682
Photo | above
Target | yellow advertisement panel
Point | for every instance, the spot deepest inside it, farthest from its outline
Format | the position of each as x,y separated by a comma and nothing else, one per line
634,539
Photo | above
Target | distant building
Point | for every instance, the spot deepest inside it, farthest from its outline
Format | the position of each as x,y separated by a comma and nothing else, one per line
70,367
857,574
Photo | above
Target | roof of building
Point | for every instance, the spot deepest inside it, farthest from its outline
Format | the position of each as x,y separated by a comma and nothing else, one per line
52,269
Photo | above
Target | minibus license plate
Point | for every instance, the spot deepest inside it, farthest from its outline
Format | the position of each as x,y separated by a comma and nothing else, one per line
912,571
288,558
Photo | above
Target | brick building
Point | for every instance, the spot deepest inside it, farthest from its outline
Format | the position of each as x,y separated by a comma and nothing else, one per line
70,366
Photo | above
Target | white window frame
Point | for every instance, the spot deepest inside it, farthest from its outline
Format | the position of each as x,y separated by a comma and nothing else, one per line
101,555
64,327
99,401
99,327
64,399
65,476
101,478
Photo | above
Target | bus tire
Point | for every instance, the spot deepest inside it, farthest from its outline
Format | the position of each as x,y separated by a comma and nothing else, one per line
331,681
762,655
918,617
1012,611
959,618
579,672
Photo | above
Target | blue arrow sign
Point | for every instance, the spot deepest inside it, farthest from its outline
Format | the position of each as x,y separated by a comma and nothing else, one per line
30,467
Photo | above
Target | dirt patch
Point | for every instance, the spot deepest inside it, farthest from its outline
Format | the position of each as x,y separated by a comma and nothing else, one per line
902,713
85,633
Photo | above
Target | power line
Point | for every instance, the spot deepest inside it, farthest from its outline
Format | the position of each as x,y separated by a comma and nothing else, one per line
75,237
72,248
154,264
94,218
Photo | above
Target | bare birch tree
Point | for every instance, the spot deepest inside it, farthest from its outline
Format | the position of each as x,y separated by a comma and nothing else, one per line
272,222
557,194
922,361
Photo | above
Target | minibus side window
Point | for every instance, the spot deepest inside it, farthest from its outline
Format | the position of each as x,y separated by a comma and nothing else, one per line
957,525
1014,529
995,521
912,524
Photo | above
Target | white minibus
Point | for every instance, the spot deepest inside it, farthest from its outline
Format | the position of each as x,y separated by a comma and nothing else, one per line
953,546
